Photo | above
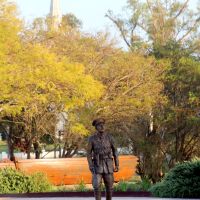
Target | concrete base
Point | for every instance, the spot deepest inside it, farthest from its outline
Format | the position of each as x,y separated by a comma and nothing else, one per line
90,198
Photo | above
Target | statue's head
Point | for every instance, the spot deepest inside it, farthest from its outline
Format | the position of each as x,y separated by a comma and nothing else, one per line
99,124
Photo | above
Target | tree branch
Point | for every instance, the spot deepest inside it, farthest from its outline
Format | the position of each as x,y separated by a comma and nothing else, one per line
132,88
182,9
120,29
189,31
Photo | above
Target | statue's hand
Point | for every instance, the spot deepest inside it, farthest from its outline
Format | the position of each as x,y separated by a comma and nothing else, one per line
92,170
116,169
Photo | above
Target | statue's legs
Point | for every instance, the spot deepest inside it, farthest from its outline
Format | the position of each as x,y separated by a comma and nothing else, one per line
96,182
108,181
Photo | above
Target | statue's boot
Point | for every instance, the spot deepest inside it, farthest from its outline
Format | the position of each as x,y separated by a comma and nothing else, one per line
108,194
97,194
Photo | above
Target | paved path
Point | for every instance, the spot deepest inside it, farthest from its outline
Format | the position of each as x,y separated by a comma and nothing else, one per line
89,198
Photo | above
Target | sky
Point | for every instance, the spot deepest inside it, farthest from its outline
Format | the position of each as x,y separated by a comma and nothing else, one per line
90,12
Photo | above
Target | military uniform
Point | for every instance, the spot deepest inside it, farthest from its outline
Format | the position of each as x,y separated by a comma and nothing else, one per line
100,153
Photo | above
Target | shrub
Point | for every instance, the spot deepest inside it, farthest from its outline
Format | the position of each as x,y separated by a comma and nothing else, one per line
15,181
122,186
144,185
62,188
12,181
182,181
38,182
81,187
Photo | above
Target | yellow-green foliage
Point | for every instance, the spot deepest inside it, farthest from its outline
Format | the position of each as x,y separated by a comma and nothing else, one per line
31,76
38,78
9,27
14,181
134,84
78,128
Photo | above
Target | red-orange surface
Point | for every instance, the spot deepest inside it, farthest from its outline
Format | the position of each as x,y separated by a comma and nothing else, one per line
70,171
7,164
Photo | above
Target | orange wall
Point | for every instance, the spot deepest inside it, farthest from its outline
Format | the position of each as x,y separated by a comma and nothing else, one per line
70,171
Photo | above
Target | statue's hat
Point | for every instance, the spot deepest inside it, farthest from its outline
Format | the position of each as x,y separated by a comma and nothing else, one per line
98,121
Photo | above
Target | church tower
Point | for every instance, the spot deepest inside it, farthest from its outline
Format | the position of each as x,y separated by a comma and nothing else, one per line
55,13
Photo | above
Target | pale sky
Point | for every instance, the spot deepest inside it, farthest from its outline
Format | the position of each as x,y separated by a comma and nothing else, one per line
90,12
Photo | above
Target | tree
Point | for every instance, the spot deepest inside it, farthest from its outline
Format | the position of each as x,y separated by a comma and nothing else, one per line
152,24
40,80
32,79
134,87
9,46
71,21
168,30
9,27
90,50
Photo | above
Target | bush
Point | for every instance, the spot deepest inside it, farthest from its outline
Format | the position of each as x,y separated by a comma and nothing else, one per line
12,181
144,185
38,182
182,181
81,187
124,186
15,181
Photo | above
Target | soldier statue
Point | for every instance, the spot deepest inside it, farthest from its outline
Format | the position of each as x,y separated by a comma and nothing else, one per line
101,151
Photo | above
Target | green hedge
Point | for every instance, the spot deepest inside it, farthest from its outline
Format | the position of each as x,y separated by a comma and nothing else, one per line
15,181
182,181
124,186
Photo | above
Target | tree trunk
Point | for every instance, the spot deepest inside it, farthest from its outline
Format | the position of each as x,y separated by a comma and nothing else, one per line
29,150
10,143
37,155
55,150
11,152
71,152
37,150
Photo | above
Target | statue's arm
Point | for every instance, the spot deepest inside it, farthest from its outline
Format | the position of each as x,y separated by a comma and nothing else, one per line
114,150
89,154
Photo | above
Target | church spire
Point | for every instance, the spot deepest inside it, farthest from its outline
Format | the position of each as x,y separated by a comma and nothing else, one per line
55,13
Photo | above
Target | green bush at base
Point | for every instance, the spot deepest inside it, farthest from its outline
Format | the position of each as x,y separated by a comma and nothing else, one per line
182,181
15,181
136,186
81,187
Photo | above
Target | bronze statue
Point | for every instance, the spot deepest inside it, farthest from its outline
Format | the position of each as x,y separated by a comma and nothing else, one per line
100,153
